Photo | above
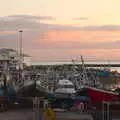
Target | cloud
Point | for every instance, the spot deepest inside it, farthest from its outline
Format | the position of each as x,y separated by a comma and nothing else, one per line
77,45
81,18
29,22
69,54
30,17
9,41
55,37
15,24
104,27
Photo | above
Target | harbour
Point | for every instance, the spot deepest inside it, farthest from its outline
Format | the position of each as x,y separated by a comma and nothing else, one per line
59,60
65,91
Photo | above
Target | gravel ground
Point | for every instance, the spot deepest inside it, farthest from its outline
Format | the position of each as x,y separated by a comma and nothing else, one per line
72,116
29,114
21,114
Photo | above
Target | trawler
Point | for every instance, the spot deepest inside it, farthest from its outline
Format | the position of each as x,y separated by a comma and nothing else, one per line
30,88
93,88
13,74
64,89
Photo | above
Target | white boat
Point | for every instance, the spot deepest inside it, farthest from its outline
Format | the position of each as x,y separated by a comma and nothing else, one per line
64,89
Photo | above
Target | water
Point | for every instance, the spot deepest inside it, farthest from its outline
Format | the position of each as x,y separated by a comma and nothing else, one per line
78,62
70,62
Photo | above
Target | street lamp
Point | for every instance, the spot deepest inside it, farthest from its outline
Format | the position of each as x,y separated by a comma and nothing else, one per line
20,55
20,40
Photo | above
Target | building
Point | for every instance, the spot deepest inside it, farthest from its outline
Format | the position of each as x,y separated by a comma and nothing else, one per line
10,62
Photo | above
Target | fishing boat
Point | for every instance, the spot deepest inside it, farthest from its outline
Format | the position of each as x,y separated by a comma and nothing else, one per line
30,87
64,89
94,91
99,95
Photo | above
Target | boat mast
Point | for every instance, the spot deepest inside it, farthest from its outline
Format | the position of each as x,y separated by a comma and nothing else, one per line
74,73
85,77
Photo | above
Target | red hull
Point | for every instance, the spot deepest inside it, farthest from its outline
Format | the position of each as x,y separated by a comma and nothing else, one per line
97,95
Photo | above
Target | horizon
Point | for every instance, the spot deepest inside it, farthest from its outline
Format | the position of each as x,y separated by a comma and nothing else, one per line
51,62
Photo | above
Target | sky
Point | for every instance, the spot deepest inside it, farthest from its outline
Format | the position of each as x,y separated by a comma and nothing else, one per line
62,29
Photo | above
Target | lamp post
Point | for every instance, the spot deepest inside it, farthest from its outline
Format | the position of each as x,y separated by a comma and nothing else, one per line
20,55
20,40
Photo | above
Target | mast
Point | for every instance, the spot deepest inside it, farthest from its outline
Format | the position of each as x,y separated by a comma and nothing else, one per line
85,77
74,74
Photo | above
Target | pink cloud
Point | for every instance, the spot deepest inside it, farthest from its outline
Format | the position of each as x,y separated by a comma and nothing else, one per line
86,36
67,55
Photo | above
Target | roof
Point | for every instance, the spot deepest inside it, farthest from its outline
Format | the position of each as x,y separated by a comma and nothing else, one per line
10,52
65,82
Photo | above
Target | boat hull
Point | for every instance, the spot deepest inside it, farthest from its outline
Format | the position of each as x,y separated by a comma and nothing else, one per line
97,95
63,95
31,89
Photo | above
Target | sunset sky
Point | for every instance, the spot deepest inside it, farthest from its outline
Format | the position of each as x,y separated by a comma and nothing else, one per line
62,29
